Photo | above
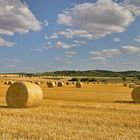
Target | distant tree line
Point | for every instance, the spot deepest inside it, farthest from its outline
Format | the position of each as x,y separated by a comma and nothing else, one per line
83,80
90,73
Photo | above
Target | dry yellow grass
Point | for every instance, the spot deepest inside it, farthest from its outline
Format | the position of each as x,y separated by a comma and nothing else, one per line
94,112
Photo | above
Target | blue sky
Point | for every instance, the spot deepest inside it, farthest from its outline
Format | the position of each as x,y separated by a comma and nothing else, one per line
49,35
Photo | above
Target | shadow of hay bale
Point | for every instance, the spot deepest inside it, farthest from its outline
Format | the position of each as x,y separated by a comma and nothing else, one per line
127,102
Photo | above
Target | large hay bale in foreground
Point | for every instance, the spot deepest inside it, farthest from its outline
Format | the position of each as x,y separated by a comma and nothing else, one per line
132,85
136,94
60,84
79,84
23,94
51,84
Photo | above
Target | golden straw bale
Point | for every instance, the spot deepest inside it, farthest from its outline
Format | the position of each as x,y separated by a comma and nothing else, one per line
56,83
132,85
125,84
5,83
23,94
79,84
37,83
51,84
68,83
73,83
136,94
60,84
10,82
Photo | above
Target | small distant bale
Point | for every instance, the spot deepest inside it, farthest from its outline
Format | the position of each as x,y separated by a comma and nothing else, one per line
74,83
37,83
132,85
5,83
23,95
56,83
60,84
136,94
125,84
51,84
79,84
10,82
68,83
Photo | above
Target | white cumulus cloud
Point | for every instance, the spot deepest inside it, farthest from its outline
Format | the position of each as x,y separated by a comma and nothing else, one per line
46,23
47,46
12,60
110,53
133,5
137,39
53,36
71,52
4,43
71,33
116,39
63,45
16,17
99,19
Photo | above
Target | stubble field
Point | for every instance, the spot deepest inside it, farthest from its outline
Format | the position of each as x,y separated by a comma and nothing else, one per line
93,112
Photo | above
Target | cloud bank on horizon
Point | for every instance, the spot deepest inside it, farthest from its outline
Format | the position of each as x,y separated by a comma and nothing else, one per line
75,36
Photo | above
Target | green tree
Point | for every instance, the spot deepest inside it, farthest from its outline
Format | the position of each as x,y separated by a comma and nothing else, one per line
124,78
138,76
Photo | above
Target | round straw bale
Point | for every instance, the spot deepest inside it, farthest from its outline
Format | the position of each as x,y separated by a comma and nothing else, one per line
51,84
6,83
37,83
60,84
79,84
132,85
56,83
73,82
10,82
67,83
136,94
125,84
23,94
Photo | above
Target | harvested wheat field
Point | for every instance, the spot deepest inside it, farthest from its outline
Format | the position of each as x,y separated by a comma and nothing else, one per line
93,112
